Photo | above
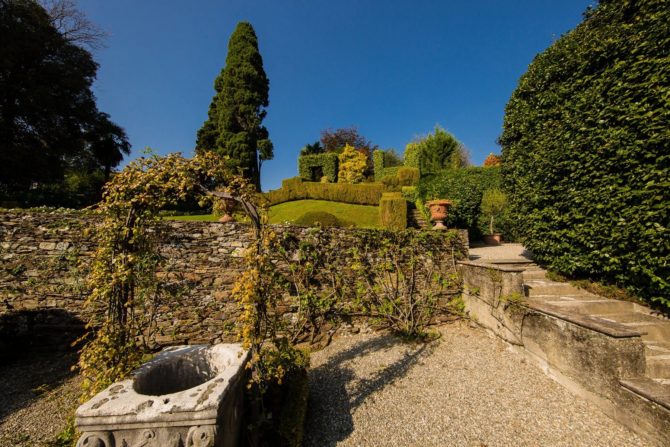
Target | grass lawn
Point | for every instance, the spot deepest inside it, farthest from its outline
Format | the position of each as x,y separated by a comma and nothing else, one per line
363,216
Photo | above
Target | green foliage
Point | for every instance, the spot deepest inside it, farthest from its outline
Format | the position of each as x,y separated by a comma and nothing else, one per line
312,149
379,163
435,152
493,204
410,193
393,212
321,218
51,130
465,187
352,165
408,176
296,189
585,149
233,128
313,167
413,156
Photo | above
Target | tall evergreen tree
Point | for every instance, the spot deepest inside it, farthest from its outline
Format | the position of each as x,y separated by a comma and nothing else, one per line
233,128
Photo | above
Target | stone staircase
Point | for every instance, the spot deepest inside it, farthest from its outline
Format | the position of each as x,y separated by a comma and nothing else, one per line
614,317
416,220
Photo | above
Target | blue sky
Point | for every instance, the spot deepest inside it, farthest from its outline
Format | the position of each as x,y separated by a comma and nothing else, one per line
392,68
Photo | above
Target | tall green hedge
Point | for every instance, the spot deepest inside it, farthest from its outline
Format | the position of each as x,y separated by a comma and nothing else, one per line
327,162
393,211
465,188
296,189
586,149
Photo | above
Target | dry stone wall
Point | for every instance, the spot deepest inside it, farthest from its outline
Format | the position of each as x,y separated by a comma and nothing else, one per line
43,266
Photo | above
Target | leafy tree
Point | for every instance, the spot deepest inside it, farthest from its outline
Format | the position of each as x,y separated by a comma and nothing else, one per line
392,158
585,149
335,140
352,166
233,128
49,122
493,205
435,152
312,149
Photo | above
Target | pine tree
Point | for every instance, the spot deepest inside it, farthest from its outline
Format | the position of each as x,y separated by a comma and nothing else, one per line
233,128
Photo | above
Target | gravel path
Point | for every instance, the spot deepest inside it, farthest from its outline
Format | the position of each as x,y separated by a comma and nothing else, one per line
466,389
37,394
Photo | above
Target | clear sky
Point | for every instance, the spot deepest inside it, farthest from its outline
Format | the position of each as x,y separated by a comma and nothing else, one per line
392,68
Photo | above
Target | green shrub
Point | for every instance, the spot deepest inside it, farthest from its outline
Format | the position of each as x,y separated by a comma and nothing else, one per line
586,149
378,163
352,165
493,205
296,189
312,218
410,193
313,167
408,176
413,156
465,188
393,211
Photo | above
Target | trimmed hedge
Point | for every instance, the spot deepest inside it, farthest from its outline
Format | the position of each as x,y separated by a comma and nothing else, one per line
296,189
328,162
586,150
465,188
393,211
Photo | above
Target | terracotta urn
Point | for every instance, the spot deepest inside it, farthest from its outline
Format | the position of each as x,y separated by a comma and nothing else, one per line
438,212
227,208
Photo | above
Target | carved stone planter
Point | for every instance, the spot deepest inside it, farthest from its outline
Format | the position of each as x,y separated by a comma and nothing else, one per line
187,396
438,212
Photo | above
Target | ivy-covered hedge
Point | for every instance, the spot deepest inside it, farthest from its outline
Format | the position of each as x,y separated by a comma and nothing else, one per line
296,189
586,149
465,188
328,162
393,211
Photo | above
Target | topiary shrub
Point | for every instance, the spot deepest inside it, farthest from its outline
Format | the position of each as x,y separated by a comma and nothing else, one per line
492,206
312,218
585,149
313,167
296,189
393,211
408,176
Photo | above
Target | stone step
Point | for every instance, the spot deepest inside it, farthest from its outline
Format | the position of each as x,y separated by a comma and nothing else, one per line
543,287
655,390
652,347
655,328
531,273
594,307
658,366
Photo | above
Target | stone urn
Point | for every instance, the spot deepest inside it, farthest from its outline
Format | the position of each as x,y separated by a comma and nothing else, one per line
438,212
186,396
227,206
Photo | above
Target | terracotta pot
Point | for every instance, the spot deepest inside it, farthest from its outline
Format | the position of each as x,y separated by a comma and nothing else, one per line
228,205
438,212
493,239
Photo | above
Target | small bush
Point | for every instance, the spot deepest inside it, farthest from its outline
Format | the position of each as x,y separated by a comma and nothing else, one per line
321,218
393,211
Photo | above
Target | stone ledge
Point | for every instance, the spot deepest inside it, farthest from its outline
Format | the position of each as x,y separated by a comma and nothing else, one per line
649,389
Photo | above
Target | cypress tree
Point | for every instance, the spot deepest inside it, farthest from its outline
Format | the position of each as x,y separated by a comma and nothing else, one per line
233,128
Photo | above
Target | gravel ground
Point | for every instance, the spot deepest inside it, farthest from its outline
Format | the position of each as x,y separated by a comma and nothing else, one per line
37,394
465,389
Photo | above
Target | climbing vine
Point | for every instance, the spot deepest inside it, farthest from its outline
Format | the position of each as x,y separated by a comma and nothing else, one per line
122,279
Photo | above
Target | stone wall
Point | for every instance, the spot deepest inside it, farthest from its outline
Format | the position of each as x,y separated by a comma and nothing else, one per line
44,257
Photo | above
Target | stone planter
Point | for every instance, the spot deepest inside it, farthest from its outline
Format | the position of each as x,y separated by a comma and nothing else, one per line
493,239
186,396
227,207
438,212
